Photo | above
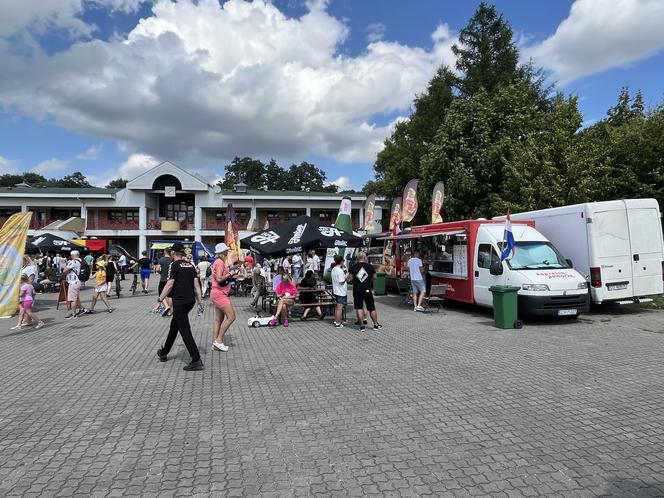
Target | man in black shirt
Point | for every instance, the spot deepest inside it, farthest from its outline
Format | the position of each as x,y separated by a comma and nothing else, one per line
363,275
184,290
146,269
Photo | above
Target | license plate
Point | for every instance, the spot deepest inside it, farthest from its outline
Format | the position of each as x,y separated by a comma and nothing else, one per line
566,312
616,287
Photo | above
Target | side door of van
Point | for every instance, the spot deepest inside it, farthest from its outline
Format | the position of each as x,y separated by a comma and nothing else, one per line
486,254
645,239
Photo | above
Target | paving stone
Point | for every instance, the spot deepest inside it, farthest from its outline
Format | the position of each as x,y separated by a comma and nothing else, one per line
434,404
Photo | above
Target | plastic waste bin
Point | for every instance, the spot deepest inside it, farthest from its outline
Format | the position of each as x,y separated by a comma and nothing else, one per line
505,306
379,284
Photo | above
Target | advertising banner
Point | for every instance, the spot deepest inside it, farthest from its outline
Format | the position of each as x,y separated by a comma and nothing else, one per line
369,206
13,236
232,237
410,201
395,213
437,200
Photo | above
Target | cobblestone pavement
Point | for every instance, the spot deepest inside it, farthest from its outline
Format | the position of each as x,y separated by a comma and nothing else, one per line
434,404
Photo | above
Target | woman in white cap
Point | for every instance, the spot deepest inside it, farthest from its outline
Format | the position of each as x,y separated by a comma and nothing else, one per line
224,312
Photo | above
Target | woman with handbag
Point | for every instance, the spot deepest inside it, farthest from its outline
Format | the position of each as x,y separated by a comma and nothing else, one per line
224,312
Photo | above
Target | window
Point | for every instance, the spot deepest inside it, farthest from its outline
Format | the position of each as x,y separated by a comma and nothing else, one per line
273,215
131,215
242,214
325,217
536,256
486,255
220,215
116,216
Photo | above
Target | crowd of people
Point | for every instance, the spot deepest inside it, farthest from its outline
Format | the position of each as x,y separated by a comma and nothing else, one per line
183,284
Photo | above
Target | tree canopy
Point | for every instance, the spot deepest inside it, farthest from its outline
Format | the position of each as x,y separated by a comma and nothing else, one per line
501,139
255,174
75,180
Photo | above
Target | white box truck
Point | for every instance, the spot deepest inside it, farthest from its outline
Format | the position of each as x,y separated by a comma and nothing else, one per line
616,245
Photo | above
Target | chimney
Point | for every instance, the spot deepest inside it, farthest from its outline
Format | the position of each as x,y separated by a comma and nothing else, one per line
240,188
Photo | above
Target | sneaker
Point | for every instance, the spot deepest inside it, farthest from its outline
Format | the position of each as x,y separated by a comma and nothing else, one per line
377,326
419,308
71,316
285,323
339,325
363,328
162,356
194,365
86,311
40,325
219,346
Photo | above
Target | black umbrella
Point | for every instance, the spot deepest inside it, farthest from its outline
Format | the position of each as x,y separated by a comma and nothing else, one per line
48,242
298,235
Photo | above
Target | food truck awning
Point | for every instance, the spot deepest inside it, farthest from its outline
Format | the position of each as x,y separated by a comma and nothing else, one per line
404,236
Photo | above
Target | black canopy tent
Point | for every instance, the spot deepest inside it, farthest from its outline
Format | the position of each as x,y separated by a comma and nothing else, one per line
297,235
48,242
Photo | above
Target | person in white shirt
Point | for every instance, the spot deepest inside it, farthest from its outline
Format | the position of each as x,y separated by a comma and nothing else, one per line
122,263
202,269
71,272
339,289
417,280
297,267
316,263
286,265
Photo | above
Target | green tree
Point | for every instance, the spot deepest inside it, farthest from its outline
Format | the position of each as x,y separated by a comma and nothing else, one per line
486,55
75,180
247,170
9,180
276,177
306,176
118,183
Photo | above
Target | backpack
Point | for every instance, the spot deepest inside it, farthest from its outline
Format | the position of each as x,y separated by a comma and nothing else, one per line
84,274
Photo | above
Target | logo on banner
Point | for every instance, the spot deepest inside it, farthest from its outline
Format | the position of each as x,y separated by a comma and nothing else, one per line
297,235
329,231
294,250
343,243
265,238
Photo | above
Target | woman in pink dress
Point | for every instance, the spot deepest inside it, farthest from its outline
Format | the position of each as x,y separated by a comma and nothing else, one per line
286,292
224,312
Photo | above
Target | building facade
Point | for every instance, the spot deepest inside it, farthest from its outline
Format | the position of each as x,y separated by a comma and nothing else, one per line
167,203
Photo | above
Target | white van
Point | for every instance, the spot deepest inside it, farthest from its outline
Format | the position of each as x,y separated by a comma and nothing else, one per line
548,283
464,256
616,245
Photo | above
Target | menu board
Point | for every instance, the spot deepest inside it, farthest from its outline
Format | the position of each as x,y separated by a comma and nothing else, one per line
460,260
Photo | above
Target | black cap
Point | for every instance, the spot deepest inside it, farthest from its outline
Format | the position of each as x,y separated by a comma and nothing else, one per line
178,247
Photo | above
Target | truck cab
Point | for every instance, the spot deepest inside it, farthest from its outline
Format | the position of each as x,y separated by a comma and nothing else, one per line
549,285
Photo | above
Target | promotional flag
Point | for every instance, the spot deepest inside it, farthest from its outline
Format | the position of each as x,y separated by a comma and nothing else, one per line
410,201
395,215
343,223
232,237
13,236
437,202
508,238
369,206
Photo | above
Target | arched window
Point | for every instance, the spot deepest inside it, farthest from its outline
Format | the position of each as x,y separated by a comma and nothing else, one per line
166,181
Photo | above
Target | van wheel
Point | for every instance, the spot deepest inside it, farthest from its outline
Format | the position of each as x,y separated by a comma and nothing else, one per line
256,324
518,324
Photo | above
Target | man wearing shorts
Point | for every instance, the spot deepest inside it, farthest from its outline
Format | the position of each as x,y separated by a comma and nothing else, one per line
417,280
339,289
144,263
363,275
163,264
71,271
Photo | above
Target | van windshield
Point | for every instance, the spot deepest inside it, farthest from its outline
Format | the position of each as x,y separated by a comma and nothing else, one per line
536,256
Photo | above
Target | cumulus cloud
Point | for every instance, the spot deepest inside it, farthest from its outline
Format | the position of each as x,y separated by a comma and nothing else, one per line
7,166
376,31
599,35
135,165
343,182
92,153
216,81
50,166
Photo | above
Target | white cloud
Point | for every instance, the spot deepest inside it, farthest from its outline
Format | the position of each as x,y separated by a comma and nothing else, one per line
7,166
376,32
135,165
50,166
599,35
92,153
201,79
343,182
18,15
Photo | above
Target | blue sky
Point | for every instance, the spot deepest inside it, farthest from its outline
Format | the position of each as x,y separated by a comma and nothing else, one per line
112,87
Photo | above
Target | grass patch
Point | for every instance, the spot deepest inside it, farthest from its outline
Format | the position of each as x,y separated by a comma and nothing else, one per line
656,304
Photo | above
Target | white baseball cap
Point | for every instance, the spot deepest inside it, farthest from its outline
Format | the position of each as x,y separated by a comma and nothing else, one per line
219,248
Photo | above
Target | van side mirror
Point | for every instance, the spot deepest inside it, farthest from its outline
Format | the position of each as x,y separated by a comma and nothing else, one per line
496,268
569,263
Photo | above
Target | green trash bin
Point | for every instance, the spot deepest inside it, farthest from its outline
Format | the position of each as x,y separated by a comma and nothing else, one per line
380,284
505,306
